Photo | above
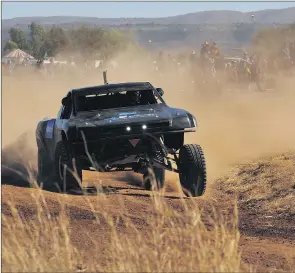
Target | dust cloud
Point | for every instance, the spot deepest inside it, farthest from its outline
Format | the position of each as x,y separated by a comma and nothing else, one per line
235,126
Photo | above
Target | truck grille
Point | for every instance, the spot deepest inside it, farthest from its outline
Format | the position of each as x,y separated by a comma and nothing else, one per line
135,128
118,130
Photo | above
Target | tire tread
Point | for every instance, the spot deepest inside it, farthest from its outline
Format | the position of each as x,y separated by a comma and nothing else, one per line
196,158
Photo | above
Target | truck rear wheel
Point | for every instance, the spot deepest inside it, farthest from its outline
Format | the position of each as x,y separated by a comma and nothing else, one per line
192,170
69,176
45,175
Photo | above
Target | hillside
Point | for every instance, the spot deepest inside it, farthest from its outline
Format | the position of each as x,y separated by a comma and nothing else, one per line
280,16
229,28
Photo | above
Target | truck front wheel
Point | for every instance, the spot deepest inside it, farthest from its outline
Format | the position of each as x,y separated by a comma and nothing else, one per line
192,170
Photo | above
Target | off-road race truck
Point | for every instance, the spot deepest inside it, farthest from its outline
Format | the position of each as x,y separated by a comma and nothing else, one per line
119,127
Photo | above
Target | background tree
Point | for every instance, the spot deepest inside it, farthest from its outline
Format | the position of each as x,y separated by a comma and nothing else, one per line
56,40
19,37
87,42
37,40
272,39
10,45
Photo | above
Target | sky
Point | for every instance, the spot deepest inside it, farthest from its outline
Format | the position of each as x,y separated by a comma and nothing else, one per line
127,9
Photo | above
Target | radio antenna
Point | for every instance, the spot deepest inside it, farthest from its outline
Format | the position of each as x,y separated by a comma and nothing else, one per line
105,77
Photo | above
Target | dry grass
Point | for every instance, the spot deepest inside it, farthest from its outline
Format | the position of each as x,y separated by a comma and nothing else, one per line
265,185
39,239
42,244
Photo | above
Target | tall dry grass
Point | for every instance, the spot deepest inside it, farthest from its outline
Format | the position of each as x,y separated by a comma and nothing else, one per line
173,241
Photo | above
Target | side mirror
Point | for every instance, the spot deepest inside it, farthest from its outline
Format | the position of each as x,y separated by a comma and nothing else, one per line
160,91
65,101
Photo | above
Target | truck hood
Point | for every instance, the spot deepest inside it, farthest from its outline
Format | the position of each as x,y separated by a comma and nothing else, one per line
145,113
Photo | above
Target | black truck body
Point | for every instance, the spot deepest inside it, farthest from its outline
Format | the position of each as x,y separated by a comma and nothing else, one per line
115,127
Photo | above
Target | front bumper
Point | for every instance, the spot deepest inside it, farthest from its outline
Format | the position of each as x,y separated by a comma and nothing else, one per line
120,145
129,135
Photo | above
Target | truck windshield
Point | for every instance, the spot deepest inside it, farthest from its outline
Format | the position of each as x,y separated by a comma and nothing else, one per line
117,99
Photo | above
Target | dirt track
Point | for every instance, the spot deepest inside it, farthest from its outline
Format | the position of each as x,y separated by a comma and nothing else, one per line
234,128
266,223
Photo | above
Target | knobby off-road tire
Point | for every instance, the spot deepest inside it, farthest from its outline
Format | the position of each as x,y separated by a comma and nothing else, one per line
50,173
154,179
45,177
65,170
192,167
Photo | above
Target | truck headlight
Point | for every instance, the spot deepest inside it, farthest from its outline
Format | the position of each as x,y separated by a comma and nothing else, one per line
181,122
193,120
